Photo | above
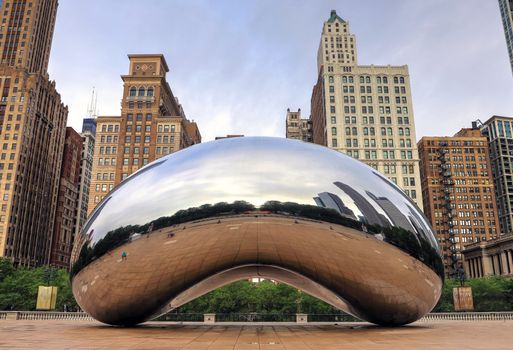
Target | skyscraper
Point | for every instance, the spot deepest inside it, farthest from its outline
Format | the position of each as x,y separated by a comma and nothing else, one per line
506,8
33,124
458,192
67,200
499,132
86,171
364,111
152,124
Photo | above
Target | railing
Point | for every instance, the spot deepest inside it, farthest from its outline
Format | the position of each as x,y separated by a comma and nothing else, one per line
174,317
332,318
255,317
44,315
259,317
468,316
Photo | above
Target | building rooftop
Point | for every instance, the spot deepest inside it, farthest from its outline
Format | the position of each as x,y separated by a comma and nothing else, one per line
148,55
334,16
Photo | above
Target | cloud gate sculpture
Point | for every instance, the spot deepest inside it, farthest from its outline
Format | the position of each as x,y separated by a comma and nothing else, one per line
265,207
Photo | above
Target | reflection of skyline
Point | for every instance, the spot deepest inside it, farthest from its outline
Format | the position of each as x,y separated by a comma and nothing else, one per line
393,213
331,200
254,169
370,215
418,221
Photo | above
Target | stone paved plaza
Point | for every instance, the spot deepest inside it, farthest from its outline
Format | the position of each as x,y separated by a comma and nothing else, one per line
91,335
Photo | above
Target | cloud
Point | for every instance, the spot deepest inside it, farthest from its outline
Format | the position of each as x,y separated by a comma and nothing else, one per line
237,66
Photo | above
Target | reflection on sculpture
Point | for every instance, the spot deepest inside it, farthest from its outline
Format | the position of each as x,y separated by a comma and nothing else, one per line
256,207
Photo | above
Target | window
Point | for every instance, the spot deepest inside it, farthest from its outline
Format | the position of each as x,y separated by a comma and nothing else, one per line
148,117
150,92
334,131
133,91
333,142
141,91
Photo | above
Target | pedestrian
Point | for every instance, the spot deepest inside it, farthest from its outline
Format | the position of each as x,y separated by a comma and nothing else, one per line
123,255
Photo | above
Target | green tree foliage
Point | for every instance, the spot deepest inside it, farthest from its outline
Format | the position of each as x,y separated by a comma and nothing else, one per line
493,293
18,287
18,291
262,297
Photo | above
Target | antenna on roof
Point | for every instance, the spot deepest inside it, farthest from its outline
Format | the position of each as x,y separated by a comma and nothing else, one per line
92,111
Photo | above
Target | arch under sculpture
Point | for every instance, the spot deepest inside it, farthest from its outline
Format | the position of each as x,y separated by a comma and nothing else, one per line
246,207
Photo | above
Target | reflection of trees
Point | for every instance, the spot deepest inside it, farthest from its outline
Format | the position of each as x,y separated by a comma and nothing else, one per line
416,246
311,212
407,241
123,234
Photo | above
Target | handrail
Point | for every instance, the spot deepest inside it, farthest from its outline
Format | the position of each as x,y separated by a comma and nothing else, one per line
259,317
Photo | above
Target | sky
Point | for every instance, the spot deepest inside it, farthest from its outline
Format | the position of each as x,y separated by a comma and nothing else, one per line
237,65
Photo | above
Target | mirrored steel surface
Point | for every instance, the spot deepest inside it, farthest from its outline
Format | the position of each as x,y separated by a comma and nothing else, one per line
237,208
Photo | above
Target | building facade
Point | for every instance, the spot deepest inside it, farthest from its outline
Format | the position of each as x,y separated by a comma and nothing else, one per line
33,125
86,171
296,127
364,111
499,132
65,226
152,124
490,258
506,8
458,192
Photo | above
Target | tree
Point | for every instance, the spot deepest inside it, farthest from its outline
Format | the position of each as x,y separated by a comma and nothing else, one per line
6,268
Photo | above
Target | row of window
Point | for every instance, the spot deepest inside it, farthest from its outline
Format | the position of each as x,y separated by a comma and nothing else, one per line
138,117
138,128
370,120
126,150
104,187
135,161
106,161
406,169
366,79
385,143
368,99
373,154
110,127
370,110
371,131
105,176
142,91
